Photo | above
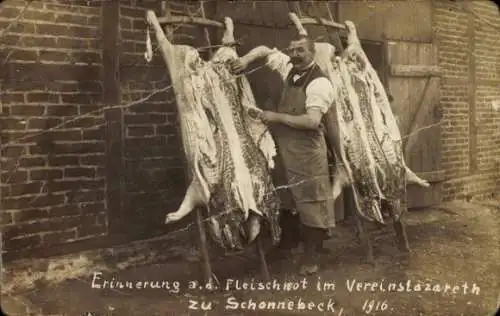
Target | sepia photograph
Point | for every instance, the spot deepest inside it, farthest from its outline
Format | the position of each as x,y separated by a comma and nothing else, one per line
249,158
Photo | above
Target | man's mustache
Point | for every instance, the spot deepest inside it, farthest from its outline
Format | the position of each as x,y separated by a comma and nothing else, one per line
295,60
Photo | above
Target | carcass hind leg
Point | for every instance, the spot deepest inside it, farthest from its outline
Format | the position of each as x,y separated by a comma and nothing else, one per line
399,227
193,198
364,237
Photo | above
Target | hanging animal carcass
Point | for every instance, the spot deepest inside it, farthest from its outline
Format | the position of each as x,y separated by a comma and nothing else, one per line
363,134
229,153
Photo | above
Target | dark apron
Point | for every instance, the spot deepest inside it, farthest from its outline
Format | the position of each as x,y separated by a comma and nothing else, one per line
302,166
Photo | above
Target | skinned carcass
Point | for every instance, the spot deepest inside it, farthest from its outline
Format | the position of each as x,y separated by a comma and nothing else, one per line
381,125
229,153
355,164
364,136
362,129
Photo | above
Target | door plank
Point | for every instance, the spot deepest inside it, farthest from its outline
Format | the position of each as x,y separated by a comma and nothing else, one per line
429,96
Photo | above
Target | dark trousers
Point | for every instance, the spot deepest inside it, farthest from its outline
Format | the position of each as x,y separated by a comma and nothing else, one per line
312,238
290,230
293,232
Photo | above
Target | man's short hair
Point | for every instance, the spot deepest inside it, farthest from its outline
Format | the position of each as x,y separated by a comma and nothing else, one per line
309,42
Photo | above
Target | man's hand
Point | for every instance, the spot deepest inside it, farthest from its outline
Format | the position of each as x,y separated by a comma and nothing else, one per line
238,65
269,117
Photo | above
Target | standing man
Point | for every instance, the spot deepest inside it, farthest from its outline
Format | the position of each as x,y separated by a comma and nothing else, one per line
296,125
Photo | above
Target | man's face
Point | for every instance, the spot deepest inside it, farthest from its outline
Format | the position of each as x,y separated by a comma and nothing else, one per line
300,54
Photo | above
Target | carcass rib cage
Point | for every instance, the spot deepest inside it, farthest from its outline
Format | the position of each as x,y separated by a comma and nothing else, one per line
227,150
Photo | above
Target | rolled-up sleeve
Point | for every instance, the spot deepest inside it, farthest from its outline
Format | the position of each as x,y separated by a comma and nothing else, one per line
320,95
279,62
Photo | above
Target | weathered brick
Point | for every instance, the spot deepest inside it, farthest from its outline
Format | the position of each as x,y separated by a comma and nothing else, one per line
87,109
45,174
92,207
66,185
77,172
62,110
90,86
39,15
63,161
64,210
78,98
12,97
140,131
14,176
125,23
26,188
69,148
96,134
71,18
56,238
85,122
32,41
13,151
167,130
88,196
26,242
30,215
5,218
39,201
72,43
146,141
40,97
18,55
94,20
145,119
148,107
53,29
50,72
93,160
85,231
86,32
139,24
53,55
132,12
27,110
87,57
23,28
56,224
32,161
12,123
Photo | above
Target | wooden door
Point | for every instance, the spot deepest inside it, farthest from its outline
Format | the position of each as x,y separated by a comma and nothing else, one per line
414,83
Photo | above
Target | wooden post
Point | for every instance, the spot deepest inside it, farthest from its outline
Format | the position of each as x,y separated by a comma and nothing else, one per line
336,37
207,267
113,117
205,30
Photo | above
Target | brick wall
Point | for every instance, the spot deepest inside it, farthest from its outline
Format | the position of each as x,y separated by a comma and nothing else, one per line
52,184
468,56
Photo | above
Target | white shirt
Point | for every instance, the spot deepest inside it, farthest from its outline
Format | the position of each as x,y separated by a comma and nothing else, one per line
319,93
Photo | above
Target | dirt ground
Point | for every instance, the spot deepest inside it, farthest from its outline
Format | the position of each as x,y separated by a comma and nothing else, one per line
453,244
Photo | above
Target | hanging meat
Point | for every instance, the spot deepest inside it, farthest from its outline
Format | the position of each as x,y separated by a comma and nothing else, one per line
362,130
229,153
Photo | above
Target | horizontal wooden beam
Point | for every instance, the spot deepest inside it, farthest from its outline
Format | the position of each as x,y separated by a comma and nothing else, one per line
414,71
329,23
190,20
212,23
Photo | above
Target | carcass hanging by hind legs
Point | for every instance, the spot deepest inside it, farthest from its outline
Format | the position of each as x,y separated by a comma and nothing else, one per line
228,154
